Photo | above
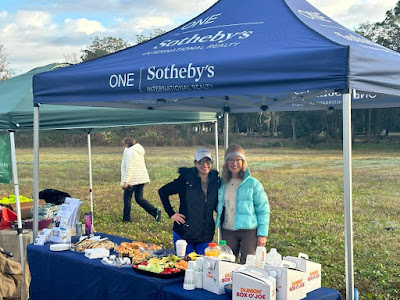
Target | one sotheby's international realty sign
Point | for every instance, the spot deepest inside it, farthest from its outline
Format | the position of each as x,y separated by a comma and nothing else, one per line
5,158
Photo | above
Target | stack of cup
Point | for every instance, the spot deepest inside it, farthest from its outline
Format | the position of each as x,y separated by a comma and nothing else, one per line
180,247
188,282
198,273
251,260
260,257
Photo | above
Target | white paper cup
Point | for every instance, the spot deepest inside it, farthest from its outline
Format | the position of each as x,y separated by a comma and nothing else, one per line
180,247
188,282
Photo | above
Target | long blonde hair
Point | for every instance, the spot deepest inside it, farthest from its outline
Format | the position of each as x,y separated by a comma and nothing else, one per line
226,174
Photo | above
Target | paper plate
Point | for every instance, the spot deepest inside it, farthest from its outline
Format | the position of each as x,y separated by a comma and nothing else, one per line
59,247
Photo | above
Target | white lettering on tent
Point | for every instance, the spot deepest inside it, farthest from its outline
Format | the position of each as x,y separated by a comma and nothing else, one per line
219,37
118,80
208,20
172,72
313,15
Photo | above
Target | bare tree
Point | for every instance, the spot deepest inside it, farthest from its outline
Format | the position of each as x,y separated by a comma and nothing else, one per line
5,72
72,58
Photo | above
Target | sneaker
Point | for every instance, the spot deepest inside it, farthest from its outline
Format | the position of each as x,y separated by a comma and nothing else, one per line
158,215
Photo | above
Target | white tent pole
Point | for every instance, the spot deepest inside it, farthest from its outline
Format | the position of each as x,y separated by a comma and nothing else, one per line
217,162
216,145
90,174
17,201
226,128
35,169
347,188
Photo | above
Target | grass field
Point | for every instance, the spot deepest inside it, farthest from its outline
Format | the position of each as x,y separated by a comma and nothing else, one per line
305,191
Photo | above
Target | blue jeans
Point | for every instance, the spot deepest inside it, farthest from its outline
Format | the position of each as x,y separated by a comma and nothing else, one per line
196,247
138,189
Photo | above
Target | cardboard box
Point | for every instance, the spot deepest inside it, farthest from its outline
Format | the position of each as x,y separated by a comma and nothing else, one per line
217,273
290,283
311,269
25,208
249,282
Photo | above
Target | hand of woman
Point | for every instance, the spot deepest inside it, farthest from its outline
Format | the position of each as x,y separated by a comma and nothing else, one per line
261,241
178,218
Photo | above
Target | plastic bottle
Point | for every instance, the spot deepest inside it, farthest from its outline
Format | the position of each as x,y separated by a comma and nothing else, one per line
212,250
65,232
273,258
225,249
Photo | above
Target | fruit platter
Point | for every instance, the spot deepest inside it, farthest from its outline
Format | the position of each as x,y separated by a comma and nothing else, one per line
170,266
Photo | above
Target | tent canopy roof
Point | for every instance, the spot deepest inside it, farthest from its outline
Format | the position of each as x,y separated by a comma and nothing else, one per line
265,55
16,111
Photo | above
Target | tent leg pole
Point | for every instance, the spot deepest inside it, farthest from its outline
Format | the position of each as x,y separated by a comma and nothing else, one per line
226,128
17,201
217,164
216,145
90,173
347,188
35,169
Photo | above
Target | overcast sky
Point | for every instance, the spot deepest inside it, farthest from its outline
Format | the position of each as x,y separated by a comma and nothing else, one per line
38,32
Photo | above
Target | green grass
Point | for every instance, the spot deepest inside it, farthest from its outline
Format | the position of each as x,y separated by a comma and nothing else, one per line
304,187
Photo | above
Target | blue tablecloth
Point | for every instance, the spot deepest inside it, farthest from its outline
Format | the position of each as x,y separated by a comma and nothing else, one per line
176,292
70,275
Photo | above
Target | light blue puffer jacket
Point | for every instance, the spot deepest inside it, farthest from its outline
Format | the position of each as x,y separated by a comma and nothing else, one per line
252,207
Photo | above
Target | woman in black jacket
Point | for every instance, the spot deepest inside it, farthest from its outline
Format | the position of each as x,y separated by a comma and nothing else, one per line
198,193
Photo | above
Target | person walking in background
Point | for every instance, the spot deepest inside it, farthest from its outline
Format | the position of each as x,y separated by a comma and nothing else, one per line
243,208
198,194
133,177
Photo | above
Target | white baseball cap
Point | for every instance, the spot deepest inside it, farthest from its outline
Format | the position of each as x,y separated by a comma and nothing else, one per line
201,153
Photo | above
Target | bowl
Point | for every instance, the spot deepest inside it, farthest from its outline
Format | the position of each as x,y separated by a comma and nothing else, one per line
42,223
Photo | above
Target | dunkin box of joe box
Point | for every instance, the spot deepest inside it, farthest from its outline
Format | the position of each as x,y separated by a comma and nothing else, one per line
290,283
217,273
311,269
249,282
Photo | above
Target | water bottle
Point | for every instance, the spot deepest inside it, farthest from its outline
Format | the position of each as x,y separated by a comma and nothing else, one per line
65,233
225,249
273,258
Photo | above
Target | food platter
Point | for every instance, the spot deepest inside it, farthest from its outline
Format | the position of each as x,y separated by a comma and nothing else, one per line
158,275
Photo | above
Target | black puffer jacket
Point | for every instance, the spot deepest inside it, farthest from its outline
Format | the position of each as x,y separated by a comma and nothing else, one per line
194,205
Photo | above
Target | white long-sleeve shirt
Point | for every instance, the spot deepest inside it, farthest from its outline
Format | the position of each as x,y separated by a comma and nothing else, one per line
133,167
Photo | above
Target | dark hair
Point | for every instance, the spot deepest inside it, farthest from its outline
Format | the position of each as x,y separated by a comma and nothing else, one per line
128,141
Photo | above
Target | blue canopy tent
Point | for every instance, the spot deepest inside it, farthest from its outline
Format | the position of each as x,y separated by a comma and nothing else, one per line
16,114
275,55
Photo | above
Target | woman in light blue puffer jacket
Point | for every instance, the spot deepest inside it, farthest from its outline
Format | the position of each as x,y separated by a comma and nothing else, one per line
243,208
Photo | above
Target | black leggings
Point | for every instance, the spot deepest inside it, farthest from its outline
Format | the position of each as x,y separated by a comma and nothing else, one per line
243,242
138,189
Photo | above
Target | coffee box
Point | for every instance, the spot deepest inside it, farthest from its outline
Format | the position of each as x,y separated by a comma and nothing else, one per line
217,273
249,282
290,283
311,269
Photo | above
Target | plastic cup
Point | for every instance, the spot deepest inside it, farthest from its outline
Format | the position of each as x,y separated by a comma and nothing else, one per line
180,247
191,265
260,257
251,260
188,282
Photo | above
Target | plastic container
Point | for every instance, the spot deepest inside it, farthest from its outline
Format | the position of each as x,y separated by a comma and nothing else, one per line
225,249
7,216
65,233
273,258
212,250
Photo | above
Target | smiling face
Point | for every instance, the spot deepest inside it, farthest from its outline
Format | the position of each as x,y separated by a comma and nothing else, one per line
235,165
203,166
